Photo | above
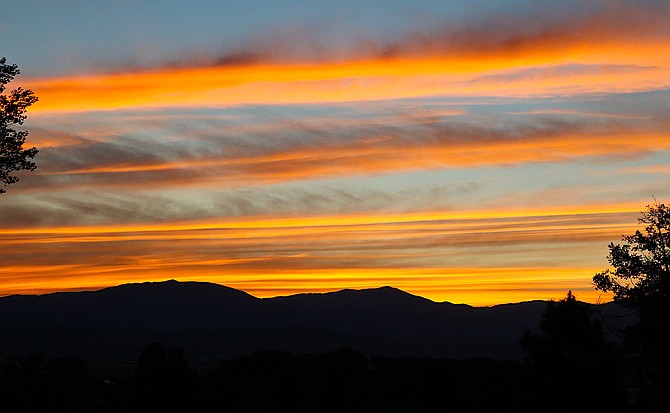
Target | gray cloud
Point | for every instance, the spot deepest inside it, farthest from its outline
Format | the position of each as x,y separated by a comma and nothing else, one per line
224,154
533,25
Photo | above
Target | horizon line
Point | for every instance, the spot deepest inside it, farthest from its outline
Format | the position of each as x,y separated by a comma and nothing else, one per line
337,290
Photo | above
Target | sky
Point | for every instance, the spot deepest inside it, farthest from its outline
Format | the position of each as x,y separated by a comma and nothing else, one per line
478,152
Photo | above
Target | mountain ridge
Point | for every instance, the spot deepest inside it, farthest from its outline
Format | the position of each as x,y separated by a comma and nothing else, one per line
205,283
211,320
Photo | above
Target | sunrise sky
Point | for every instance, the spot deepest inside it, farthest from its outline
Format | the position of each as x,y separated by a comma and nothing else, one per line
477,152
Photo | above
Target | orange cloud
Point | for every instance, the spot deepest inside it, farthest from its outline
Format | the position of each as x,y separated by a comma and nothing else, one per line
346,82
615,48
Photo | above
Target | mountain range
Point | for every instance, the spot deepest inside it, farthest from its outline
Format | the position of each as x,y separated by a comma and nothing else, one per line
211,321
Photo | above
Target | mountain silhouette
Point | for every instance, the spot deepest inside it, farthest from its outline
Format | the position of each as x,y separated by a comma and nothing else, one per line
213,321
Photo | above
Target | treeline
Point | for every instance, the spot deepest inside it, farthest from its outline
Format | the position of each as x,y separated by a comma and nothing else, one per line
569,366
339,381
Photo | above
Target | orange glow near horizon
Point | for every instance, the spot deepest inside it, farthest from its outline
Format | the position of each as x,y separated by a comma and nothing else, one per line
473,286
280,256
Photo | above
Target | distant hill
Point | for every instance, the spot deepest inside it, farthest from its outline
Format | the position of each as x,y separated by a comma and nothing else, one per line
212,321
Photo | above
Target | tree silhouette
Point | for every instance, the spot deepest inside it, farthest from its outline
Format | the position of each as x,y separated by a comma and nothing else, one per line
569,336
13,105
571,345
164,379
641,275
640,280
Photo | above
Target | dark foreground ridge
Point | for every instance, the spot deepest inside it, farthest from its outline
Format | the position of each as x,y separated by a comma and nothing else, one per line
218,322
187,346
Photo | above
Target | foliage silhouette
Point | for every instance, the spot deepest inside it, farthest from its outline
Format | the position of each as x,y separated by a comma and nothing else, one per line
164,380
35,383
262,381
640,280
13,157
571,344
346,380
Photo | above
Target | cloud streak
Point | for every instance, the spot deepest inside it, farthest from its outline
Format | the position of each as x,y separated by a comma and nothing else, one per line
616,48
437,247
332,83
338,148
